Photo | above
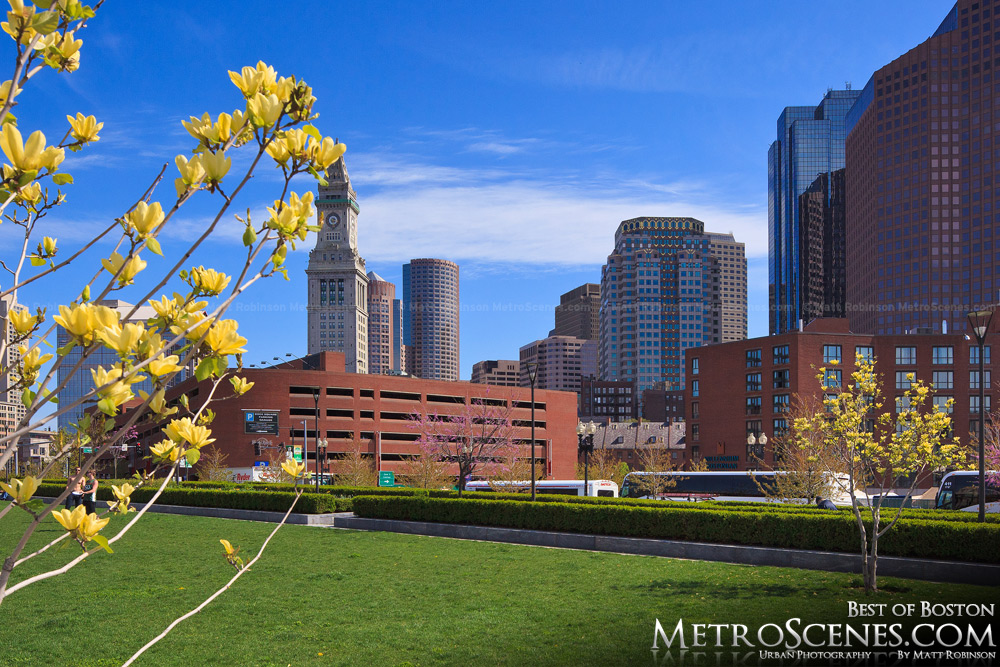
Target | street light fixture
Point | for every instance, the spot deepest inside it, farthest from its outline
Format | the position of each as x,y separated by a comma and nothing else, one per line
755,447
532,369
315,439
585,436
321,445
979,320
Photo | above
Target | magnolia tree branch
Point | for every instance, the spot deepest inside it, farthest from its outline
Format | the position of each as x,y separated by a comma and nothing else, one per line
219,592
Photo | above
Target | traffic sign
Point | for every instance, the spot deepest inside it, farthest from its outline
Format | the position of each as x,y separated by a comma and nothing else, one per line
386,478
88,450
297,453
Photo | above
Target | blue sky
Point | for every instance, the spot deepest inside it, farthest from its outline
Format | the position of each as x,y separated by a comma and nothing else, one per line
511,137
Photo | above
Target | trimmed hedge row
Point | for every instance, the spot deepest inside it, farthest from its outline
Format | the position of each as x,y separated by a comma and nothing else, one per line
821,531
272,501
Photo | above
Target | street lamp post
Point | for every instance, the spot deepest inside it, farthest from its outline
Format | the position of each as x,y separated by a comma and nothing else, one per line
321,444
532,368
315,439
585,438
980,322
755,447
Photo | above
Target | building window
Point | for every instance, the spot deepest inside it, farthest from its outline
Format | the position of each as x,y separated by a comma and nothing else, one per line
753,381
753,405
781,403
753,358
694,366
753,428
695,410
974,404
695,431
832,378
831,353
904,379
906,356
944,380
779,427
942,355
780,354
780,379
864,353
941,403
694,387
974,379
974,354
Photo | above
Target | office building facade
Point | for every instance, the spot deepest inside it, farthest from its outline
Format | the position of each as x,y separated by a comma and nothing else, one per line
383,326
498,372
337,310
662,292
12,411
579,313
921,175
561,362
431,318
809,142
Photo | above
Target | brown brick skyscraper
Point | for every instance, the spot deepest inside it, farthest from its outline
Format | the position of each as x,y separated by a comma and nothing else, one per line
920,181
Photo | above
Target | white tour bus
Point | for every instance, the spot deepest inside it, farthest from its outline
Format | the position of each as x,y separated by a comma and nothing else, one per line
959,490
568,487
714,485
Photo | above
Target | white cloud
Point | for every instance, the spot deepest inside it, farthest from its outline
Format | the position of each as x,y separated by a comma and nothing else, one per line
482,216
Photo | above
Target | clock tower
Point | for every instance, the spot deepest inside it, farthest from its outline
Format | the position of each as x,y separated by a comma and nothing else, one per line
338,283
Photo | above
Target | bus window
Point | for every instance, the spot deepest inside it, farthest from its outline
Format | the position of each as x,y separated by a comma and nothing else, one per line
944,500
604,493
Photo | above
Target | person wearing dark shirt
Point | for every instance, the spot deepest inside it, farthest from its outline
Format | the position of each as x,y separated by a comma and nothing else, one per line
824,503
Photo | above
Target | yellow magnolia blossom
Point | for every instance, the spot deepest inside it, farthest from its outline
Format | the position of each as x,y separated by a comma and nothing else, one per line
192,173
18,24
63,53
325,153
122,339
129,269
30,156
223,339
70,520
47,247
184,430
164,366
252,80
294,468
228,547
291,219
21,490
279,152
208,281
123,494
216,166
158,403
83,320
145,218
165,451
264,110
240,385
5,92
112,389
29,194
90,526
31,362
22,320
84,128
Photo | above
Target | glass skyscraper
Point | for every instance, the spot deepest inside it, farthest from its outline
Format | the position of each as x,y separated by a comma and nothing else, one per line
810,142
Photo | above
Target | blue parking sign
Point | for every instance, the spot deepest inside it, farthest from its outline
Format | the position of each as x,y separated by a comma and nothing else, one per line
249,416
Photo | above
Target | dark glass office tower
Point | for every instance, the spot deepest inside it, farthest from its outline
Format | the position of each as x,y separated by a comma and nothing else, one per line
810,142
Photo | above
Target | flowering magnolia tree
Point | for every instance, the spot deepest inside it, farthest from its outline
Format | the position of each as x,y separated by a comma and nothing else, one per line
271,124
477,435
875,448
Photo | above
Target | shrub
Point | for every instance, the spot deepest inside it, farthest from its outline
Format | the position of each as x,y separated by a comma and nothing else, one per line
772,528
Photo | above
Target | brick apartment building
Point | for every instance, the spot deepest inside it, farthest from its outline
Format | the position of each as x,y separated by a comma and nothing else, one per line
748,386
372,409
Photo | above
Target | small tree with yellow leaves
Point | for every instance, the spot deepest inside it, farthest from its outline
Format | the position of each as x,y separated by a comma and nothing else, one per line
876,448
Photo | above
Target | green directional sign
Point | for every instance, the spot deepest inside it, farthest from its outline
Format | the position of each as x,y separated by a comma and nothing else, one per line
297,453
88,450
386,478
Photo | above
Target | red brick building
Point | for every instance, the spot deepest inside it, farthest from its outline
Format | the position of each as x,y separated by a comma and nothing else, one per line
735,389
372,409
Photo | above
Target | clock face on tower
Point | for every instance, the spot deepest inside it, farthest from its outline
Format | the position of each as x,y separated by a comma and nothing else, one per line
332,220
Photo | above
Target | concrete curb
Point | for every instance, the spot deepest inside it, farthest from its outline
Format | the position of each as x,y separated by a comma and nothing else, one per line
908,568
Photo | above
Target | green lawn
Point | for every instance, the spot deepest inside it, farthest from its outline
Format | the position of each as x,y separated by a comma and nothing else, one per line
332,597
